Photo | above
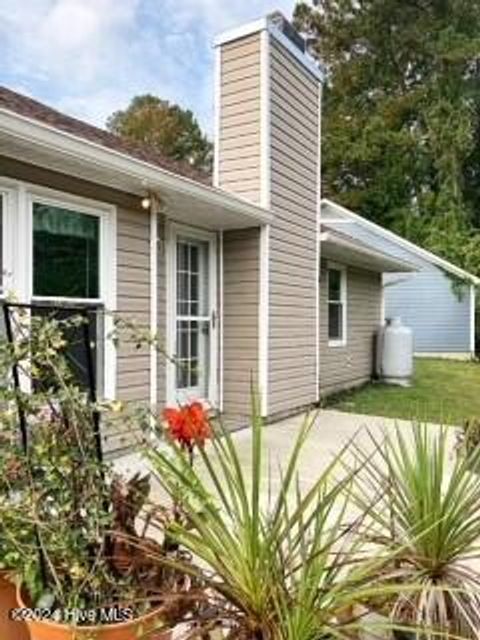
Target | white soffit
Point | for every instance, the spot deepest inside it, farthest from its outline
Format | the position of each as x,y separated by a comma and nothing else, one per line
184,199
350,252
344,215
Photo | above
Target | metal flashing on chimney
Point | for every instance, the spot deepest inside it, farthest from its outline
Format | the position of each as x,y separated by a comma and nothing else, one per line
283,31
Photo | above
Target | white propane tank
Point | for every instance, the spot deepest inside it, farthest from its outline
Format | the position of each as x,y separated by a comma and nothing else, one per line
395,353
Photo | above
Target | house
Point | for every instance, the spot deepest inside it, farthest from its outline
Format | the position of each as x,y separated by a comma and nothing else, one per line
437,300
234,275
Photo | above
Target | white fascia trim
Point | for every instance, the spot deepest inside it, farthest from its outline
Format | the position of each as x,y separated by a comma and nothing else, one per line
472,318
217,116
241,32
153,302
265,196
62,142
390,235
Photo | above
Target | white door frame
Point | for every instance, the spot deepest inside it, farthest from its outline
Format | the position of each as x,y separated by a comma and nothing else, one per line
172,232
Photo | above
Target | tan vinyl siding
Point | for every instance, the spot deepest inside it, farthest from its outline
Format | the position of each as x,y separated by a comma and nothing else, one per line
240,321
239,148
352,365
294,181
133,300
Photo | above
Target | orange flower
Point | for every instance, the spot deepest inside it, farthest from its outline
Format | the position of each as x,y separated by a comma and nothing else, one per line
189,424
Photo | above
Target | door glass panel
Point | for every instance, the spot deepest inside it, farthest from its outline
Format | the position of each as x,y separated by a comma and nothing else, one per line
65,253
193,321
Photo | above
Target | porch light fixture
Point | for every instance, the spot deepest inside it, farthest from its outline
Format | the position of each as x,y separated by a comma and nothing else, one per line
146,202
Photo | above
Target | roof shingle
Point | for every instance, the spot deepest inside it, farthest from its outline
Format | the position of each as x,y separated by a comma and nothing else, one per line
29,108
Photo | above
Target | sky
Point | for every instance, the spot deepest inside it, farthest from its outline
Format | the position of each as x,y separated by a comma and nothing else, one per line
88,58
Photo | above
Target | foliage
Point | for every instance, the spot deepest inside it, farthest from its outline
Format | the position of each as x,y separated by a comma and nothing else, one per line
78,547
402,115
443,391
426,511
284,560
469,437
166,127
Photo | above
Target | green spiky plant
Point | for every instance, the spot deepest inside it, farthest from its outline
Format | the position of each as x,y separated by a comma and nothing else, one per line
426,512
284,561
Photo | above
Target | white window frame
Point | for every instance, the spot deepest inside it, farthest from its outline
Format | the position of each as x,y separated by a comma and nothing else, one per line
174,230
7,195
338,342
18,260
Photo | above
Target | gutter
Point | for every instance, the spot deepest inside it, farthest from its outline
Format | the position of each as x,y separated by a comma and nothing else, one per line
402,242
148,175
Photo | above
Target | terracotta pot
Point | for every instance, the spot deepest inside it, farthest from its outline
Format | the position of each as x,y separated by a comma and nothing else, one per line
131,630
9,629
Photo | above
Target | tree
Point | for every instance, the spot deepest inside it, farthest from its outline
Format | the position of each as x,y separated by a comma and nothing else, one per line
401,118
165,127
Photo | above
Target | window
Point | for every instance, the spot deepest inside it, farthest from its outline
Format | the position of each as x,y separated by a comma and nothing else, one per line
66,247
337,312
66,272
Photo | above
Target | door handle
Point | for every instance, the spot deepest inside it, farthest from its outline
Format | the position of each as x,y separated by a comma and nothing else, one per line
213,319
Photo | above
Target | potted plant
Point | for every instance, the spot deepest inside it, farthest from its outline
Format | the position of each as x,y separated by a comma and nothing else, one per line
282,560
13,536
426,514
86,571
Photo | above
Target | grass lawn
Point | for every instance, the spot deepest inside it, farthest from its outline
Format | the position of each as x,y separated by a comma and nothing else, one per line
443,391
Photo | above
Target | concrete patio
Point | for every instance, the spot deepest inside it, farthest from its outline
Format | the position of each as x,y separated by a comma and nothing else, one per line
332,431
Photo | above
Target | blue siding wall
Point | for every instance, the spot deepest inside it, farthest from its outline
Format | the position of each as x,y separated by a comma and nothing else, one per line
425,300
439,319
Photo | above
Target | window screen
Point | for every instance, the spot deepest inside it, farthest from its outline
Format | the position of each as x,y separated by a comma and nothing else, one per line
66,248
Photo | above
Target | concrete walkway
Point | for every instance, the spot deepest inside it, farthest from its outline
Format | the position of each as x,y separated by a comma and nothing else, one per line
331,432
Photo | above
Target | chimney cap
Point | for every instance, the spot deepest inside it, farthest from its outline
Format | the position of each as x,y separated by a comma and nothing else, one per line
277,19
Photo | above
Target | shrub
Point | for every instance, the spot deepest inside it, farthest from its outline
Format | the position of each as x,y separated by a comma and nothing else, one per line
426,513
69,520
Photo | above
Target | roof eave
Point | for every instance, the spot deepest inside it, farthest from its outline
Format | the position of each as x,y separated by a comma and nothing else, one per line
382,262
148,175
393,237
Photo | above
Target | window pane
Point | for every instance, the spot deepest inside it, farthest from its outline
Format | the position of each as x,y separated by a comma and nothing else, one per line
65,253
182,294
334,284
335,324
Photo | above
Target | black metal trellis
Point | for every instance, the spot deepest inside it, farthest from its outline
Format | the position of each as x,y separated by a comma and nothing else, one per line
9,309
